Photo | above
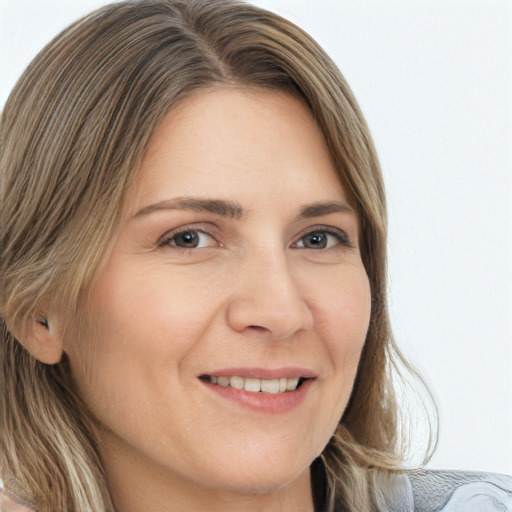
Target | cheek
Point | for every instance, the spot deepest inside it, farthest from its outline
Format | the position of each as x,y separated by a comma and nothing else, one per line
343,312
140,330
343,316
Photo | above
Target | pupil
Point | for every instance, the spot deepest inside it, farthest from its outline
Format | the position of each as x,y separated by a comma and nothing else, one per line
316,240
188,239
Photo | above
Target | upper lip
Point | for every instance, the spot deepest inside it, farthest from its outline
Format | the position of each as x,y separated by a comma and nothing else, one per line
288,372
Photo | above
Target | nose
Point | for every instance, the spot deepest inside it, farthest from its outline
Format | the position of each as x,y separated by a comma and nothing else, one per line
267,299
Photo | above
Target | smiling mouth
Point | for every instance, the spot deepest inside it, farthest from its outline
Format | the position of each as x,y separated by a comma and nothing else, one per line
271,386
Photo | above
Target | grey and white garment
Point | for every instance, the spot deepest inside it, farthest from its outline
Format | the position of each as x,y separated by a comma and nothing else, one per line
425,490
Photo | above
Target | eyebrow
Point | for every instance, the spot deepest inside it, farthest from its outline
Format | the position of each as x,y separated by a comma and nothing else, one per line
319,209
234,210
224,208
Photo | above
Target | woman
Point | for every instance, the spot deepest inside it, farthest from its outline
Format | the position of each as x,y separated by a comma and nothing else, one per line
193,303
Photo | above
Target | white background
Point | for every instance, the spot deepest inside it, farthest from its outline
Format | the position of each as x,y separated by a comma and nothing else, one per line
434,78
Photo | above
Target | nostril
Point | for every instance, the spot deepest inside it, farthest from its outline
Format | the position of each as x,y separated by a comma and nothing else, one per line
258,328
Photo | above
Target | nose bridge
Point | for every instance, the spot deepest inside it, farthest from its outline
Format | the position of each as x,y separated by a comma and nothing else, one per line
268,297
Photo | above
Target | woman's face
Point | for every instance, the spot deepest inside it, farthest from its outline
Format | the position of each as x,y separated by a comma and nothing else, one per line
237,262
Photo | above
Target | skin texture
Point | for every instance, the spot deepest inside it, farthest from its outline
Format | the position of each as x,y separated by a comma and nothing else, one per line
256,292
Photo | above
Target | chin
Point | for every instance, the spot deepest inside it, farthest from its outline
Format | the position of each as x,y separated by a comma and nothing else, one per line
261,484
248,476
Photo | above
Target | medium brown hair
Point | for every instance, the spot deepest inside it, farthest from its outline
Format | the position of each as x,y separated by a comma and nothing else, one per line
73,133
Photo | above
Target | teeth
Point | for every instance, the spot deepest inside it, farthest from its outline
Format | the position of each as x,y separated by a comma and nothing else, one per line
223,381
291,384
253,385
236,382
272,386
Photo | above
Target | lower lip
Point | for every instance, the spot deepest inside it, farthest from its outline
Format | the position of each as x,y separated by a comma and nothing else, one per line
263,402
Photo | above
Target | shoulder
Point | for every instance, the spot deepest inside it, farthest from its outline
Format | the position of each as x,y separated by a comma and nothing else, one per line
454,491
426,490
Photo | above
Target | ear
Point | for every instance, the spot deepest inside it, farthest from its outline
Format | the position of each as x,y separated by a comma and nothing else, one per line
43,339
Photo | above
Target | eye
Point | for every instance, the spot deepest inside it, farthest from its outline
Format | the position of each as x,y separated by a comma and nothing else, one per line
188,239
322,239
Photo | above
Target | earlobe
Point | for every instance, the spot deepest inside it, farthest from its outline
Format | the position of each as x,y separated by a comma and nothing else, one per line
43,341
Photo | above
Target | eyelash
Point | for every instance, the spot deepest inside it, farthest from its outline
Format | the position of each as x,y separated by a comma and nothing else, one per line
340,235
167,239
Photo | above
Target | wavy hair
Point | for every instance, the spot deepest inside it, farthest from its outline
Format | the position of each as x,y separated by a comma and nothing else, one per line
72,136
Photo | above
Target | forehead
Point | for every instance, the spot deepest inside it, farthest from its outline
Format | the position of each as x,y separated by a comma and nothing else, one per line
230,138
